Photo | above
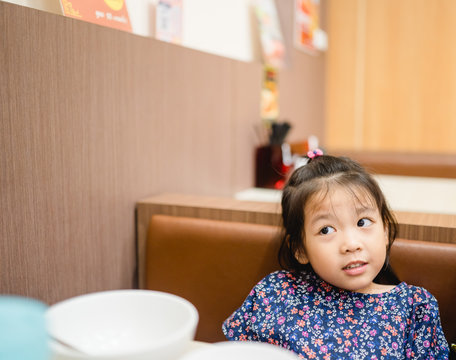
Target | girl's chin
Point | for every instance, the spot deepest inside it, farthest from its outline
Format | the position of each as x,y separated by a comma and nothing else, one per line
360,280
364,286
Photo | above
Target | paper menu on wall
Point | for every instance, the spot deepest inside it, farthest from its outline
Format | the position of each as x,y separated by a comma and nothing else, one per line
168,21
269,102
272,44
110,13
306,24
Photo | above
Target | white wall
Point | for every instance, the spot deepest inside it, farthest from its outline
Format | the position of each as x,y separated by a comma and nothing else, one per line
222,27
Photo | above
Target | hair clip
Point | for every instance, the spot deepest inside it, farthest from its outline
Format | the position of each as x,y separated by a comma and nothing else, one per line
314,153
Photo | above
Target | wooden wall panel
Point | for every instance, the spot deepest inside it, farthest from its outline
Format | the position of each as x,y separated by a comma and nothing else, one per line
342,79
403,71
92,120
244,119
76,130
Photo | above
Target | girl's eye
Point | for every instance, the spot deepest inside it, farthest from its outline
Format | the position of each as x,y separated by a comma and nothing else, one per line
364,222
327,230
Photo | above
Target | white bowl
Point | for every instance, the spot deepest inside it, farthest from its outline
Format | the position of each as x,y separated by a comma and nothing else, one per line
122,324
240,350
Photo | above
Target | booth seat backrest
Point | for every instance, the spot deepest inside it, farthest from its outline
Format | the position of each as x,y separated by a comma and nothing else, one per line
214,264
431,265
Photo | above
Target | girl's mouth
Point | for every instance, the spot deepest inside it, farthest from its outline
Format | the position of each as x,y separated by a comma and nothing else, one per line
355,268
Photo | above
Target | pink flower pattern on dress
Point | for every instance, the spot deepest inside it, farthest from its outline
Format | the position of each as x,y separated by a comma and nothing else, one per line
302,313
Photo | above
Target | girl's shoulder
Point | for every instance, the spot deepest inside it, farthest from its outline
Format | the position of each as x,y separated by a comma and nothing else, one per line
276,278
421,295
414,296
285,276
416,293
284,279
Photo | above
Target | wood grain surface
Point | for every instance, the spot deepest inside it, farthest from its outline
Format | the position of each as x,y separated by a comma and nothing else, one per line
391,76
92,120
416,226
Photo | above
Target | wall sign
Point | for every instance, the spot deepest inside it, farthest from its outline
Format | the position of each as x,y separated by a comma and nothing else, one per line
169,21
110,13
306,24
270,33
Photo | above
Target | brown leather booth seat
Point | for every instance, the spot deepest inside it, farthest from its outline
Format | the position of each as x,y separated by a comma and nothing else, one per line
431,265
214,264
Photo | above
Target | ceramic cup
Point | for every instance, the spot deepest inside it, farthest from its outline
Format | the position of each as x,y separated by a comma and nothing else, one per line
23,333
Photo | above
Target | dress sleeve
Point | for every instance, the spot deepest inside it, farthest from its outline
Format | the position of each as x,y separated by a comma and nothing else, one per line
427,339
239,325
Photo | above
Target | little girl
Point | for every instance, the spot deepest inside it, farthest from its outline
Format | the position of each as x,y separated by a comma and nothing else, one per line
338,231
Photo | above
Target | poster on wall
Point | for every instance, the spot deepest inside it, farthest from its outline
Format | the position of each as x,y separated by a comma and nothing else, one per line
110,13
269,95
168,21
272,44
306,24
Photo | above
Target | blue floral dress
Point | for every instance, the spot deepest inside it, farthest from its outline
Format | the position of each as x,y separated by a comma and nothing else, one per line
304,314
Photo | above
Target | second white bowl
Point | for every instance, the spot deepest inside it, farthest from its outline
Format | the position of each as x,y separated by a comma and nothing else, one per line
240,350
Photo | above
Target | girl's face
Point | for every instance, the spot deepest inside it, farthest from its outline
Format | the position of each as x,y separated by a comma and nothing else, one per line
345,239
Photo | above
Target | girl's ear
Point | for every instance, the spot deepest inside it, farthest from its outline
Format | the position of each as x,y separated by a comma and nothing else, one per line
386,236
301,256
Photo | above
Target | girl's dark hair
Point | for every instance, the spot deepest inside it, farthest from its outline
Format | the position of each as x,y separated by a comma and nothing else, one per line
319,174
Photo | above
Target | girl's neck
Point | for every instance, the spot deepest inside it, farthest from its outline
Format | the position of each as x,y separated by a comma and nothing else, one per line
377,289
374,288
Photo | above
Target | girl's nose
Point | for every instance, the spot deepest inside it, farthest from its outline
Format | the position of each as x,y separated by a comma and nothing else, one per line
350,243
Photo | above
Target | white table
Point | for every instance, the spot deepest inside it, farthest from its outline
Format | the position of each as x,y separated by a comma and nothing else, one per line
404,193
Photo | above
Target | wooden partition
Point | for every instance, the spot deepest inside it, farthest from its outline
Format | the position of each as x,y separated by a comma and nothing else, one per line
431,165
93,119
415,226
